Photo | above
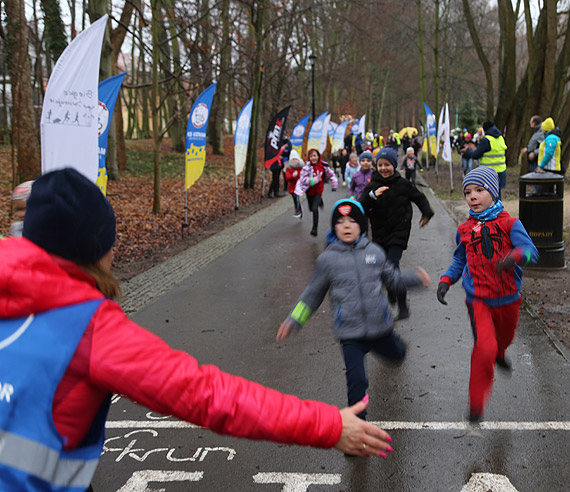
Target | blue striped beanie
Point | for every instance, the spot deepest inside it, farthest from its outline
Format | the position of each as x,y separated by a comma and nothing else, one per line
486,177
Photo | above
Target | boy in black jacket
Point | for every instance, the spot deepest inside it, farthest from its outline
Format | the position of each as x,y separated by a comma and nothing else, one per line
387,201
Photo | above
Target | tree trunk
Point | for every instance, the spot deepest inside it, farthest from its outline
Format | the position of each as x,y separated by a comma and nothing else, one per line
220,100
507,66
25,132
145,118
482,58
179,113
54,30
421,48
257,15
436,59
155,106
98,8
116,133
549,59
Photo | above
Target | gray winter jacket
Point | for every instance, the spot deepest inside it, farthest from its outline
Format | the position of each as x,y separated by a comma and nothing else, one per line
534,143
354,274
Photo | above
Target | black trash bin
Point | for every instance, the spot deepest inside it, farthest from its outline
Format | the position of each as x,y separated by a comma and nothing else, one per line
541,210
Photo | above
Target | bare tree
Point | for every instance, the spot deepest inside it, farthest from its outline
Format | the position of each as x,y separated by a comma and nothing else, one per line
25,134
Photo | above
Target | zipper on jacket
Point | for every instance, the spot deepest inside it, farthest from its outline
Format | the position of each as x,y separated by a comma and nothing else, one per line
353,250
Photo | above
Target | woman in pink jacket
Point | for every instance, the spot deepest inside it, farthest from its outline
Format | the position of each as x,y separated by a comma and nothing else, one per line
65,346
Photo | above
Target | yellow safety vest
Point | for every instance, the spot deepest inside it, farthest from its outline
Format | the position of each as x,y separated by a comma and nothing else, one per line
397,137
495,157
554,163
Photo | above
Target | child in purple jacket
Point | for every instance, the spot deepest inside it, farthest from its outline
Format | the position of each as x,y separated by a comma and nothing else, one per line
362,178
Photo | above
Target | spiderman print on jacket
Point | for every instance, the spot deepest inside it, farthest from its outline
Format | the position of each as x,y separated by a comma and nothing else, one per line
487,240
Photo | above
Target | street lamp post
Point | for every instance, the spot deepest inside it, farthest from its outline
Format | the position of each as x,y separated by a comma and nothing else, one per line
313,58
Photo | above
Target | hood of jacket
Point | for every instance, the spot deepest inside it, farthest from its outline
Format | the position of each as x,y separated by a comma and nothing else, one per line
294,155
493,131
33,281
556,132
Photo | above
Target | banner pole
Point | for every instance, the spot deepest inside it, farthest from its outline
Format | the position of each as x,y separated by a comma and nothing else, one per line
263,184
186,207
185,223
237,194
437,168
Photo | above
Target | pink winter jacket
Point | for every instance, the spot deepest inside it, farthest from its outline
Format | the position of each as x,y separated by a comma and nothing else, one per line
117,355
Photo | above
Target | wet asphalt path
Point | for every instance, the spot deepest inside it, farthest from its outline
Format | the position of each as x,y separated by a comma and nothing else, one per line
228,314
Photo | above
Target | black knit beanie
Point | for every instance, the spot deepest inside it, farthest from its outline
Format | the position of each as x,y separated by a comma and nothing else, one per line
68,216
350,208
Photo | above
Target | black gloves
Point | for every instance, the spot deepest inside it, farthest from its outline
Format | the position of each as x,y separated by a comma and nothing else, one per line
442,289
507,263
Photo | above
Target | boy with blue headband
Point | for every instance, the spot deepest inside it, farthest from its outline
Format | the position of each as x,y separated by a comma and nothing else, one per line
354,270
491,248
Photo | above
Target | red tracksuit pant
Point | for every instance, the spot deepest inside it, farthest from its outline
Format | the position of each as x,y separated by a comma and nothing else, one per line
493,329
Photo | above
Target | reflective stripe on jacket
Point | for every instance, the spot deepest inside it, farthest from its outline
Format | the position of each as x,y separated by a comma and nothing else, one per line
495,157
35,352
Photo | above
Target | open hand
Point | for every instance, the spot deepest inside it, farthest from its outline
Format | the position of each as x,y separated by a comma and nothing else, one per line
507,263
359,437
424,277
424,220
380,190
284,330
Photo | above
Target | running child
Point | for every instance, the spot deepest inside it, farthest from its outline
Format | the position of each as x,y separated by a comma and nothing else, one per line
312,181
362,178
410,164
491,248
292,175
388,203
354,269
352,168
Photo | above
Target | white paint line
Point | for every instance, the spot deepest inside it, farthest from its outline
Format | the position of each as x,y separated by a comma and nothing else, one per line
490,425
386,425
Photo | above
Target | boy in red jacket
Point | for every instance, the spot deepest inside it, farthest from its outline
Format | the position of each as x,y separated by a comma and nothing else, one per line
292,175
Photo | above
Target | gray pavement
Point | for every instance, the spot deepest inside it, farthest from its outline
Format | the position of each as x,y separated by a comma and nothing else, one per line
223,302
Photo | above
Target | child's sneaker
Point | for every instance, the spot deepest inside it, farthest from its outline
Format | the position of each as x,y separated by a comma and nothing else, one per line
298,214
504,363
404,313
473,424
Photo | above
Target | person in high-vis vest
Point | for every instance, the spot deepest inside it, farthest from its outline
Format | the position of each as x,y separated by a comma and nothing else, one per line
491,152
66,346
550,149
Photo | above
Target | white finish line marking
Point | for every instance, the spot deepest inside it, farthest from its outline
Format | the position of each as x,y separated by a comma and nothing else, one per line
140,479
297,482
488,482
386,425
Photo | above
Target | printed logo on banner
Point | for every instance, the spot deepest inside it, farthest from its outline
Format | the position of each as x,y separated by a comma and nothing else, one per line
299,131
103,120
200,115
354,128
317,125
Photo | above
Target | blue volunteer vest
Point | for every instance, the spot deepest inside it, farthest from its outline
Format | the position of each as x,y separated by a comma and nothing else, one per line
35,352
